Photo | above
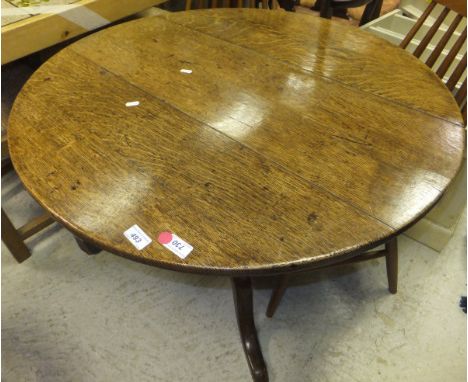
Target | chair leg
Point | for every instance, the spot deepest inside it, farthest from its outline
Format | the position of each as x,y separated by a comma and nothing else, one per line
391,259
326,11
287,5
277,295
317,6
371,12
13,240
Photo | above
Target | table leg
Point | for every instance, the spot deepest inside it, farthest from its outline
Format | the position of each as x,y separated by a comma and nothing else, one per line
243,301
87,247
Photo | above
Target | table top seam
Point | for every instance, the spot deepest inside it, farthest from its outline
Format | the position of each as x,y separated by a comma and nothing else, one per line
280,166
309,72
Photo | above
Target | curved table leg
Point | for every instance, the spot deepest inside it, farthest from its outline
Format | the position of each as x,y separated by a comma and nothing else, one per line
242,292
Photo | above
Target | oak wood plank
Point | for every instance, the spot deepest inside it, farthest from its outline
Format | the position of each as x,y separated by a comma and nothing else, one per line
353,57
259,163
353,144
100,167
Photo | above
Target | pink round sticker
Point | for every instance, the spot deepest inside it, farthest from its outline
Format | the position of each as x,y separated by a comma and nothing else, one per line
165,237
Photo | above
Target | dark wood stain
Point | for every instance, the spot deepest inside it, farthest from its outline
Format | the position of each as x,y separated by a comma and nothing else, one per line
261,167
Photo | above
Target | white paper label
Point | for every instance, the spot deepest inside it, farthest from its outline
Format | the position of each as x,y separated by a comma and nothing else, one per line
186,71
132,103
175,244
137,237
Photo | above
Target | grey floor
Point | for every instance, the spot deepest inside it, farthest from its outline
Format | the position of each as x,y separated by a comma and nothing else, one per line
67,316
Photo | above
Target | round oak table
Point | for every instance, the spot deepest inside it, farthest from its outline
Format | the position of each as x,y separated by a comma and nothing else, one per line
264,150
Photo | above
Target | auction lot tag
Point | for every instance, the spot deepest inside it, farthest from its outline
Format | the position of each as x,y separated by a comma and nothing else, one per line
175,244
137,237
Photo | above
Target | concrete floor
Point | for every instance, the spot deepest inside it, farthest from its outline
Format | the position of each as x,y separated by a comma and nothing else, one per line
67,316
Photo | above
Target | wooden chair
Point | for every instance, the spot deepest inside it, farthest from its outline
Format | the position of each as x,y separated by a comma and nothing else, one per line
439,50
200,4
441,58
327,8
14,238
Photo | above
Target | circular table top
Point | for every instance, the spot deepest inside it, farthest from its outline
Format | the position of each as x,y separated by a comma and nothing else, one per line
293,141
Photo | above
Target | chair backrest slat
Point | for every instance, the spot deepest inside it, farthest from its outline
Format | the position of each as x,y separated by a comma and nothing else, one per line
461,94
449,44
452,54
443,41
456,74
430,34
416,26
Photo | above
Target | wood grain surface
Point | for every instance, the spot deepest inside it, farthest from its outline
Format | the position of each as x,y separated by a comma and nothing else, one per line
279,151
